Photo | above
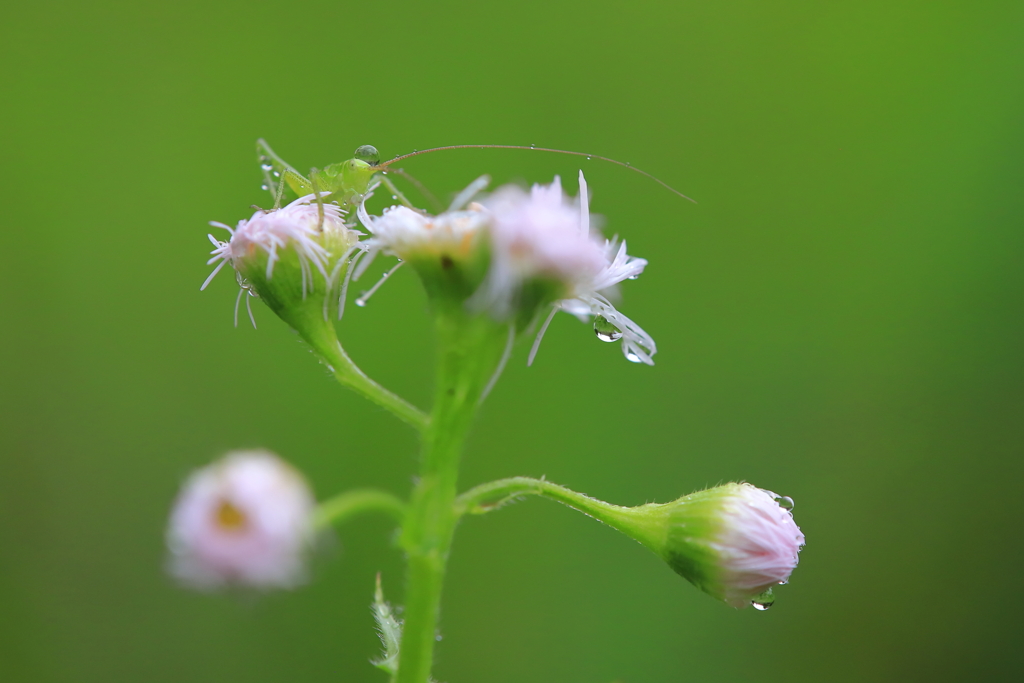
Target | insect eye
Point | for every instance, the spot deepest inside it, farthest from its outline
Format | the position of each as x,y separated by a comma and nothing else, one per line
369,154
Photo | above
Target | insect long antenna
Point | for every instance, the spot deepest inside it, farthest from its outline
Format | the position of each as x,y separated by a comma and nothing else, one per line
661,182
419,186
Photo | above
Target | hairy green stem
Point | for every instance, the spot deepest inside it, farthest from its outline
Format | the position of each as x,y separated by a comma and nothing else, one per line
467,354
629,520
346,505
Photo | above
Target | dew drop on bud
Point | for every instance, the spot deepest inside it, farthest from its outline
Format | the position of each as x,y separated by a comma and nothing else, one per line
605,331
785,502
763,601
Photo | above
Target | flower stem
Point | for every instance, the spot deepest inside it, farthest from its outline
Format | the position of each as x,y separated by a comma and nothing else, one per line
349,374
629,520
308,321
351,503
468,351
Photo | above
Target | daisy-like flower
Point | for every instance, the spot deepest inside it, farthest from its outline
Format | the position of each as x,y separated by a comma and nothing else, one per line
304,244
411,235
244,520
543,236
445,249
734,542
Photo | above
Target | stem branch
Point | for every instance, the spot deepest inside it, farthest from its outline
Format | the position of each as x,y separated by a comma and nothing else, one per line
495,494
346,505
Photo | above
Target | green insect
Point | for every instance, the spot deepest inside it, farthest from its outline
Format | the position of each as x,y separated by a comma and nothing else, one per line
346,182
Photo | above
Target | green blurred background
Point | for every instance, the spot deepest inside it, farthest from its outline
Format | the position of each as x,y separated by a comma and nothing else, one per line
839,319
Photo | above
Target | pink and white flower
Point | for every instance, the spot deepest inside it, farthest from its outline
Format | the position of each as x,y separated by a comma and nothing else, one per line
316,233
545,234
246,519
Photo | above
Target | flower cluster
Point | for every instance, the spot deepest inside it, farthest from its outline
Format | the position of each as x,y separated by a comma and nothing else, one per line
541,252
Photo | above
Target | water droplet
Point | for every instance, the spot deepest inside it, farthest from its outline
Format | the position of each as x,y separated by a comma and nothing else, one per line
633,358
264,187
361,301
763,601
605,331
533,146
588,158
369,154
633,277
276,174
394,196
266,167
438,637
785,502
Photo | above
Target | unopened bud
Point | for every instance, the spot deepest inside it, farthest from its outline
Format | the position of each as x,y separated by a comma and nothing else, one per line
734,542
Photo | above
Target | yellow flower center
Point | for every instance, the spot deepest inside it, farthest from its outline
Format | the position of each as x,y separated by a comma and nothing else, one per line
230,518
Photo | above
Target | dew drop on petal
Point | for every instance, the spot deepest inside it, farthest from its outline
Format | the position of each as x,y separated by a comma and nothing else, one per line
763,601
633,358
785,502
605,331
633,277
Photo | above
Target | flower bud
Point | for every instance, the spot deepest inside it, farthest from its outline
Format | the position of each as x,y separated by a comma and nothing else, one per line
246,519
734,542
292,258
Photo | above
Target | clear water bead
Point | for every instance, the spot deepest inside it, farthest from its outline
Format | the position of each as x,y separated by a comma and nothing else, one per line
763,601
266,167
605,331
785,502
368,153
633,358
